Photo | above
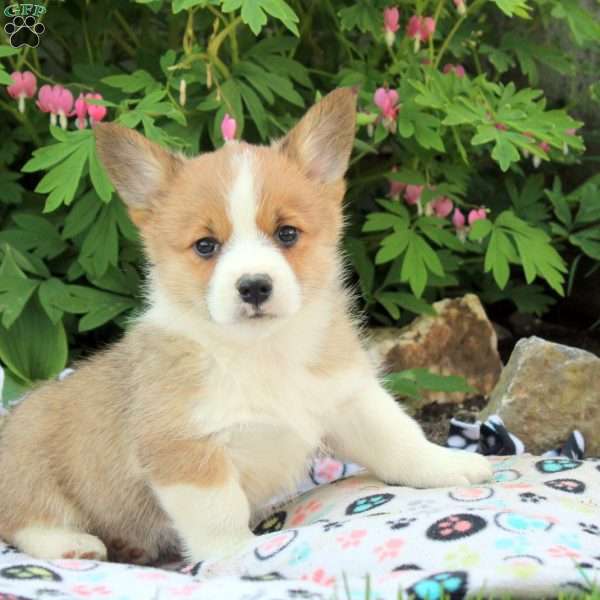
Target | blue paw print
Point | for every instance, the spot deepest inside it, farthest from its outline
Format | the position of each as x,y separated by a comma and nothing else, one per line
450,584
557,465
368,503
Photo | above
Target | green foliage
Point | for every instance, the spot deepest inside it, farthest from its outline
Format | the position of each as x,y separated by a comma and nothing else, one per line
70,259
411,382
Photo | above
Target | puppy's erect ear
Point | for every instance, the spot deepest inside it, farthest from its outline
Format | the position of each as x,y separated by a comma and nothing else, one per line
322,141
138,167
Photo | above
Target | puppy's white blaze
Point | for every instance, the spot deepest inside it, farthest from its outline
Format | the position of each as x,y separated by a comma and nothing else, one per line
243,197
249,252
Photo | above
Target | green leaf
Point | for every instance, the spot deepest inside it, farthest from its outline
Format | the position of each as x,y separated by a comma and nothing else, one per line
402,384
254,13
15,289
409,302
480,229
505,153
391,247
378,221
520,8
425,379
34,348
131,83
100,181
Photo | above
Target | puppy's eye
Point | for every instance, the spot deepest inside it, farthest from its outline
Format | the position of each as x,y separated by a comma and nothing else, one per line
287,235
206,247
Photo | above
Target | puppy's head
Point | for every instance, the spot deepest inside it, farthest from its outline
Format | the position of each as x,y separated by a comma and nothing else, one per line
245,235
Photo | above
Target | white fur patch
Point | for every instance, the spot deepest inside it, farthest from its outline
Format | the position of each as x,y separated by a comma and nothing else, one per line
249,252
55,542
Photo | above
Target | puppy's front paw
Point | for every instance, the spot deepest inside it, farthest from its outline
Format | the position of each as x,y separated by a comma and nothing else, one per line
441,467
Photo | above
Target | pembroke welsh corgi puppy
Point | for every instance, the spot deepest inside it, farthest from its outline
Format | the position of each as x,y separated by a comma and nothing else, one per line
245,362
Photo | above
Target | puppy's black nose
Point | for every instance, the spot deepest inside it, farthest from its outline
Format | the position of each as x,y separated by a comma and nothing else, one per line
255,289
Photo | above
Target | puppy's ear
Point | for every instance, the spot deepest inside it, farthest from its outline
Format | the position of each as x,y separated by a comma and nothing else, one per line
138,168
322,141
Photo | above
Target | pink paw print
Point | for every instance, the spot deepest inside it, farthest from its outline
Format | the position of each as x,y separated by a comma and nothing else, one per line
352,539
320,577
91,590
391,549
185,591
304,511
452,525
562,552
328,469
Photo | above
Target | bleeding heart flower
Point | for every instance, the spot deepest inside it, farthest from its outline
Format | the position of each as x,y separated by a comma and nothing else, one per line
412,194
391,18
56,100
24,86
396,189
81,112
97,112
458,219
442,206
387,101
477,214
461,7
228,127
457,70
420,29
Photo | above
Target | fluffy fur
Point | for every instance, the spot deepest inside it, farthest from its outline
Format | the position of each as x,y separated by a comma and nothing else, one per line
175,436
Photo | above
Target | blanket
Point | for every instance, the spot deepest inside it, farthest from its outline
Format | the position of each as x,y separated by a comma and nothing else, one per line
533,532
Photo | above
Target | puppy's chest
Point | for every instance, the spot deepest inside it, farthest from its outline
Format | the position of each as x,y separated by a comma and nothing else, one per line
269,417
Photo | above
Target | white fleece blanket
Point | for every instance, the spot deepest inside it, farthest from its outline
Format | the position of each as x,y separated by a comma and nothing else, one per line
533,533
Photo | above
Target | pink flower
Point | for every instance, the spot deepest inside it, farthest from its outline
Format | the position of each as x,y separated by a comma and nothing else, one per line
391,16
396,188
81,112
545,146
571,131
228,127
458,70
458,219
461,7
420,29
386,101
412,194
96,112
477,214
442,206
24,86
56,100
501,127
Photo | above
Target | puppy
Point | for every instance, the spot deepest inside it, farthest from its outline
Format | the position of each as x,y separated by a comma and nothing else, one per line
245,362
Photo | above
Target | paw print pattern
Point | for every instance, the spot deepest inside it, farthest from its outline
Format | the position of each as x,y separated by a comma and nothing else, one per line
455,527
24,31
401,523
572,486
557,465
329,525
273,523
351,539
304,511
451,585
590,528
531,497
319,576
368,503
391,549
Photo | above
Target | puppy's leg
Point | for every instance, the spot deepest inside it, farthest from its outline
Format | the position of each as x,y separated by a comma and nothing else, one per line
203,498
373,430
52,542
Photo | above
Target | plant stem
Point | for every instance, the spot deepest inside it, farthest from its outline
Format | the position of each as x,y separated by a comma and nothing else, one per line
125,25
86,37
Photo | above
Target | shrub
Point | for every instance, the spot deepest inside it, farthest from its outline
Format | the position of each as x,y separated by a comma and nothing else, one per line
446,190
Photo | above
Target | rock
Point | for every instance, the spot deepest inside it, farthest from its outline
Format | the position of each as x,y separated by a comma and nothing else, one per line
545,391
460,340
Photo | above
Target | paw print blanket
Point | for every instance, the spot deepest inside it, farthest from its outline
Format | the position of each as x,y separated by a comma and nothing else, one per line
533,532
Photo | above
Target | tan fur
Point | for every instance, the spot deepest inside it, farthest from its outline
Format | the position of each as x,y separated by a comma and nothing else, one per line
178,433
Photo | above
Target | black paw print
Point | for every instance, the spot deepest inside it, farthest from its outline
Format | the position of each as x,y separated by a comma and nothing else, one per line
329,525
401,523
24,31
531,497
590,528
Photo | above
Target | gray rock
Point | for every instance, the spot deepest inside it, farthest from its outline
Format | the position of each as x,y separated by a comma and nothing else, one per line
545,391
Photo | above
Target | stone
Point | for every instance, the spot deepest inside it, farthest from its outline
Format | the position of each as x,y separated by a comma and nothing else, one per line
545,392
459,340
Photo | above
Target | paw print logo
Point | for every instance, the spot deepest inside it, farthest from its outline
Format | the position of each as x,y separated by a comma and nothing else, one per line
352,539
24,31
572,486
531,497
590,528
391,549
401,523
